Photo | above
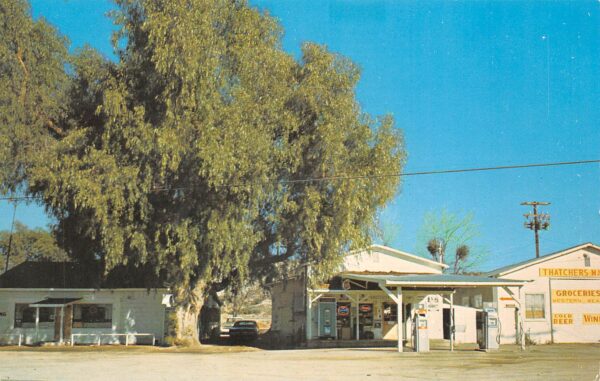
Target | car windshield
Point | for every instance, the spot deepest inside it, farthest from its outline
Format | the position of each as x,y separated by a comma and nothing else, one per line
245,324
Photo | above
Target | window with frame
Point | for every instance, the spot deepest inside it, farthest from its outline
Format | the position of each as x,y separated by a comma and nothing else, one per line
92,316
390,312
25,315
535,306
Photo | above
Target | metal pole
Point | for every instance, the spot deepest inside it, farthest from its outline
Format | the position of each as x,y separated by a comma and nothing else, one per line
308,316
37,324
521,322
357,318
551,312
452,322
62,323
400,318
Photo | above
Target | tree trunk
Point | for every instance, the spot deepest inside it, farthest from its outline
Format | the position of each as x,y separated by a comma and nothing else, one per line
186,332
183,320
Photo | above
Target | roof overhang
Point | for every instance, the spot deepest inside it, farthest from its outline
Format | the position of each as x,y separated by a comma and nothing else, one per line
54,302
437,281
534,261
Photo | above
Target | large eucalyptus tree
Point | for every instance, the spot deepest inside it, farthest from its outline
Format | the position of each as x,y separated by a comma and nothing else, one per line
206,155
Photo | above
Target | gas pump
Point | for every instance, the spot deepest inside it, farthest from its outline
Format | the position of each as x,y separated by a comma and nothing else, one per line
488,329
420,331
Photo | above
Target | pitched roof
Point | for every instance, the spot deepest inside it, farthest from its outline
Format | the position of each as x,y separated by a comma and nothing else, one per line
543,258
402,254
74,276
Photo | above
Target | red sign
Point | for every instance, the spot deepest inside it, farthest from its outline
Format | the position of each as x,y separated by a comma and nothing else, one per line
365,307
343,311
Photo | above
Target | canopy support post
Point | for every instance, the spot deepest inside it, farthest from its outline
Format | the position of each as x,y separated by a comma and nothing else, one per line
37,323
400,317
308,315
452,321
62,323
397,298
520,330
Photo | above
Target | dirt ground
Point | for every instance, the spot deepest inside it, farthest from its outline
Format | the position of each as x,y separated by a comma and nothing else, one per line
543,362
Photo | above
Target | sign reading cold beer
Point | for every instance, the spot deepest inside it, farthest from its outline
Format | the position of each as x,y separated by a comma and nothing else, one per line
575,296
570,273
562,318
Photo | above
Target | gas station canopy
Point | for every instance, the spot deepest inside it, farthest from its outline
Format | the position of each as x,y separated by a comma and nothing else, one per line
434,280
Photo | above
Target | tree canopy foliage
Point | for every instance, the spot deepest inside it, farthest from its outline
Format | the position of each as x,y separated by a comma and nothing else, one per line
207,154
33,82
24,244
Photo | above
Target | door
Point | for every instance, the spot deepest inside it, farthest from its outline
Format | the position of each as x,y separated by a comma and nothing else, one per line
447,322
327,319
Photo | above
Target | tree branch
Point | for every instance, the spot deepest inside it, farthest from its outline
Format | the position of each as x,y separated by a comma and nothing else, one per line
26,75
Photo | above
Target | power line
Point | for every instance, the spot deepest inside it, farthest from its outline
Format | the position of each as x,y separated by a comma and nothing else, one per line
384,175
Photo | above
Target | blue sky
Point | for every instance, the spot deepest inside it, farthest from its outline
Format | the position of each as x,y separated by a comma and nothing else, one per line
471,84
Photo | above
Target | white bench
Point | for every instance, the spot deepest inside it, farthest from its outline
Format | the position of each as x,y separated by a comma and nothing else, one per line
19,335
99,336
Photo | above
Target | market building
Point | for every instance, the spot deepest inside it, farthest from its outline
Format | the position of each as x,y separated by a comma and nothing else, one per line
67,303
561,297
376,297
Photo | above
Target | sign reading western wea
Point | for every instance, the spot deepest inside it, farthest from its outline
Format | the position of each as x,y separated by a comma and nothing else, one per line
570,273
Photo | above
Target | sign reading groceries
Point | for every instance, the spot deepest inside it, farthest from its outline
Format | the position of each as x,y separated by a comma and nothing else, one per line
570,273
576,296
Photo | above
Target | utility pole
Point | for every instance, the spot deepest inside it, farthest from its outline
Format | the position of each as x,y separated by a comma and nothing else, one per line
536,222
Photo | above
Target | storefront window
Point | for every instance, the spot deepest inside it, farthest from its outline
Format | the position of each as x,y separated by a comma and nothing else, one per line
534,306
390,312
25,315
92,316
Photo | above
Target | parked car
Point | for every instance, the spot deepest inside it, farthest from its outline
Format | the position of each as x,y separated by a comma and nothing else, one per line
228,323
243,330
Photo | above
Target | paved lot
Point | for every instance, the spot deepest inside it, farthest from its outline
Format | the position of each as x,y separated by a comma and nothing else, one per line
548,362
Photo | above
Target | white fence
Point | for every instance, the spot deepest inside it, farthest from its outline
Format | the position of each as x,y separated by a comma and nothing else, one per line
99,336
19,335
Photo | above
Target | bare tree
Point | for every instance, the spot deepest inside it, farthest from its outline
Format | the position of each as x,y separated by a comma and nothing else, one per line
460,258
449,238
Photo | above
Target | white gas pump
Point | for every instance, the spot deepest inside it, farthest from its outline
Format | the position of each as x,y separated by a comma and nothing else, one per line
421,331
488,329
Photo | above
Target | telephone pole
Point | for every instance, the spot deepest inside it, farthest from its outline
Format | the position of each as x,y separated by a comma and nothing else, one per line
536,222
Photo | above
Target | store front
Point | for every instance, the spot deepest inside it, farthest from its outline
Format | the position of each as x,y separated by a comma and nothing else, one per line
384,307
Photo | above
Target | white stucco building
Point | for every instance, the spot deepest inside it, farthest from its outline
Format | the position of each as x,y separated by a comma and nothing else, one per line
561,297
373,291
55,302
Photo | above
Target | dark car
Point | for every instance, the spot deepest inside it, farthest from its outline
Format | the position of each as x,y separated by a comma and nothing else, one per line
243,330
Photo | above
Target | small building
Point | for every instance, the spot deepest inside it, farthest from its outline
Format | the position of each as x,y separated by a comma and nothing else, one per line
372,292
61,301
561,297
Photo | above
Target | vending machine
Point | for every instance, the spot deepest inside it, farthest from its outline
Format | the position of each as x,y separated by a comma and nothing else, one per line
421,331
488,329
327,320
